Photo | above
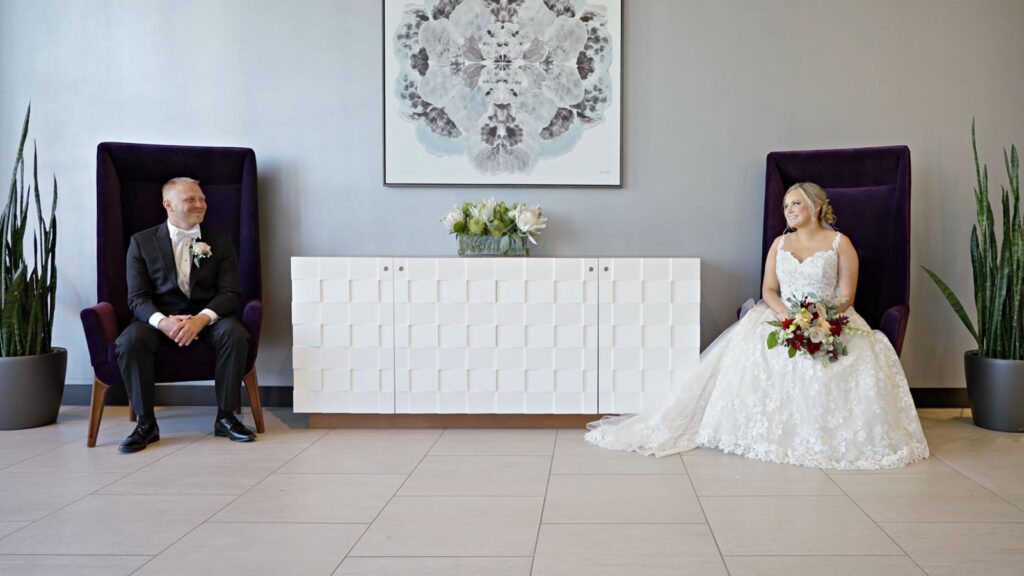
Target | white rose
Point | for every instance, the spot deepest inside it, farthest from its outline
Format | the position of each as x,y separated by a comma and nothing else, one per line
452,217
529,220
485,210
200,250
816,335
823,324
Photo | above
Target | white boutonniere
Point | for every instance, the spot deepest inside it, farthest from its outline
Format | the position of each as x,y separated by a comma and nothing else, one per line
199,251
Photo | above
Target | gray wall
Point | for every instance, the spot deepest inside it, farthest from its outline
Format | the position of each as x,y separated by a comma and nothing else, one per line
711,86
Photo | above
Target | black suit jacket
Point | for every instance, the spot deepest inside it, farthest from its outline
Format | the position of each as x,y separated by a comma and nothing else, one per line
153,277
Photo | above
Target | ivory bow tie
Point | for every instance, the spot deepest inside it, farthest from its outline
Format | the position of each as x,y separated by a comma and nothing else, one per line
184,235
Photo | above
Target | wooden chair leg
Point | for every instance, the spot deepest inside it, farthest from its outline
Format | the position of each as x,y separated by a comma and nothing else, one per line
252,388
99,399
131,413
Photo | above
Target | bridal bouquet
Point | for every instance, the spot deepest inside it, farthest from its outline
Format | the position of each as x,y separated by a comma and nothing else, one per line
814,327
491,227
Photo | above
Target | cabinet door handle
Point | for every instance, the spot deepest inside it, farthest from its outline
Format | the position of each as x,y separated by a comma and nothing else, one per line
385,268
591,269
605,268
401,268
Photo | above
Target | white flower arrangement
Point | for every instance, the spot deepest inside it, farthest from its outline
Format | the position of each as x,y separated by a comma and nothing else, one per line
491,218
494,227
200,251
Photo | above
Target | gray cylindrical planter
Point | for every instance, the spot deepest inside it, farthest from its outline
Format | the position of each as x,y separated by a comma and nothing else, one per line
996,391
31,388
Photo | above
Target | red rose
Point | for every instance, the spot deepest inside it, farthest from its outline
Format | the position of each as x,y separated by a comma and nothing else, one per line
787,323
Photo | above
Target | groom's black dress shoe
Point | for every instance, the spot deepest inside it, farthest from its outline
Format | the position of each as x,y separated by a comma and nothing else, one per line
230,427
146,432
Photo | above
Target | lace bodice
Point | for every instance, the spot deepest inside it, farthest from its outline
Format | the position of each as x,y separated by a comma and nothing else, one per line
818,274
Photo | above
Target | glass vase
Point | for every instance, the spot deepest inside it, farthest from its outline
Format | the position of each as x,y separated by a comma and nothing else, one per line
492,245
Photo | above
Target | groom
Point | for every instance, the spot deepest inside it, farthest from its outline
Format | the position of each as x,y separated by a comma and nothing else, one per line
183,285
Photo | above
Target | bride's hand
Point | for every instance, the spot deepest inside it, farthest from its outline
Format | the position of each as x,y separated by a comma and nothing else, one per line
780,316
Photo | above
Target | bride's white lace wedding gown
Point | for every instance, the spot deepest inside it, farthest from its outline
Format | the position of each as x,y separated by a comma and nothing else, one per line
855,413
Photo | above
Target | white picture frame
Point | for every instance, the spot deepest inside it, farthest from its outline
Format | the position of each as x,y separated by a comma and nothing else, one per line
484,93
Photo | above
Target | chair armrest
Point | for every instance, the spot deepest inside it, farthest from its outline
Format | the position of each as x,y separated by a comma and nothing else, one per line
894,325
252,319
100,325
743,309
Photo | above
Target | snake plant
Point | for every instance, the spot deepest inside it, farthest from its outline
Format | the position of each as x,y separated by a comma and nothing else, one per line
27,295
998,267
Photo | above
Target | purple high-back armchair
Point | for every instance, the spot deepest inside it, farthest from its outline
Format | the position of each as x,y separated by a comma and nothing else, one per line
129,178
870,191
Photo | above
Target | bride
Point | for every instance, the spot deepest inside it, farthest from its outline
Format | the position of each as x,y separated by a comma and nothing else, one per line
745,399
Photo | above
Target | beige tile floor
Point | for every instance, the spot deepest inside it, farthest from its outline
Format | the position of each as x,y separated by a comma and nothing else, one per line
491,503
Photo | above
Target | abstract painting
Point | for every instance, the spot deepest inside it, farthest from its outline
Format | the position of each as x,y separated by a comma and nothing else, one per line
502,92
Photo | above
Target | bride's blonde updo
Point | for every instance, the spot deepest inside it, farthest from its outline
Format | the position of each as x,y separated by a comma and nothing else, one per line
817,197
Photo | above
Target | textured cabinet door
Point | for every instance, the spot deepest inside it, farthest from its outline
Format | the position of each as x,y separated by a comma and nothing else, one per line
496,335
649,335
343,335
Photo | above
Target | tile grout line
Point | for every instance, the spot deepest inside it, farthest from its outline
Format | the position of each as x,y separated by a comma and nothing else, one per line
891,556
421,556
486,455
1010,523
955,470
813,556
88,554
226,504
384,507
770,496
469,496
544,501
833,478
633,523
877,525
707,521
984,487
44,452
969,479
93,493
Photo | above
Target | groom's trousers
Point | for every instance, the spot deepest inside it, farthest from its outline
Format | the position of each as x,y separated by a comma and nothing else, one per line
137,346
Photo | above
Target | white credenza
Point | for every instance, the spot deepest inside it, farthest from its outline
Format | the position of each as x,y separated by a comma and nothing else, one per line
492,335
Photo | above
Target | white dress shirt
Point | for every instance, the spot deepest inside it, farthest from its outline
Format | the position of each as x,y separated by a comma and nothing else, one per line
181,241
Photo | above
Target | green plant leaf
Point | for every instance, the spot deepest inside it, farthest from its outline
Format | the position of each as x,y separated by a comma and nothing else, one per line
773,340
954,302
978,270
792,352
27,296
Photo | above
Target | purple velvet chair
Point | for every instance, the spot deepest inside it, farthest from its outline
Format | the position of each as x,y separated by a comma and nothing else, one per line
870,191
129,178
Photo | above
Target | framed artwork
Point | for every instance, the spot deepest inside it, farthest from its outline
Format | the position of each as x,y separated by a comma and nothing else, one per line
502,92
